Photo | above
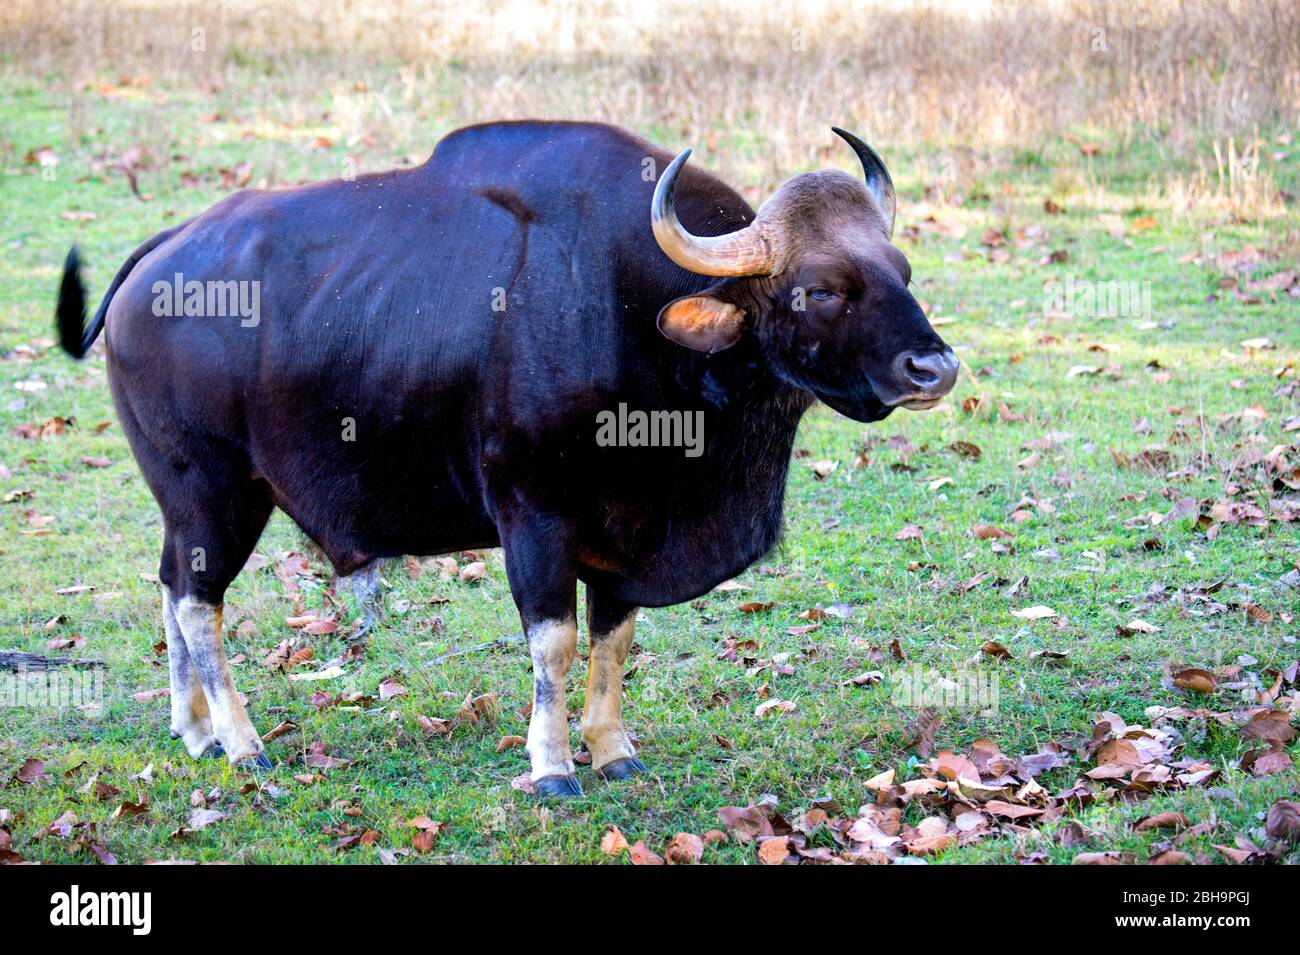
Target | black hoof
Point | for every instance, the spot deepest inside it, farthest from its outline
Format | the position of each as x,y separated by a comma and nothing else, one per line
565,786
215,751
624,768
254,763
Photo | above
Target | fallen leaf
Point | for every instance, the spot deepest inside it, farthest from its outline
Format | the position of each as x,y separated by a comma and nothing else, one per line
1034,613
433,726
1283,821
427,835
1102,858
1269,726
614,842
200,818
316,757
1273,762
1192,678
684,849
775,705
128,808
1162,820
31,772
774,850
640,855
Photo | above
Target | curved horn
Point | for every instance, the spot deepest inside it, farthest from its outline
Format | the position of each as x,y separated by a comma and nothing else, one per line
744,252
879,184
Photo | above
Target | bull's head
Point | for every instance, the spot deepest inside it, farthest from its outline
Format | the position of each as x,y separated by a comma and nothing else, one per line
818,281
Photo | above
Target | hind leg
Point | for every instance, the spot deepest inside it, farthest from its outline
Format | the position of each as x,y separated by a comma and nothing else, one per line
191,721
200,623
207,543
366,590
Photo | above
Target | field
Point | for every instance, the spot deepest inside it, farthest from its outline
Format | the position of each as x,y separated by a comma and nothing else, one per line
1101,518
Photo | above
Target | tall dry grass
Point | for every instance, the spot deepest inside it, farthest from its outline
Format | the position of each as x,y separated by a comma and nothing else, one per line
951,72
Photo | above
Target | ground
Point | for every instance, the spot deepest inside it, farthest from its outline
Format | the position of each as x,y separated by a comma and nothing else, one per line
1069,429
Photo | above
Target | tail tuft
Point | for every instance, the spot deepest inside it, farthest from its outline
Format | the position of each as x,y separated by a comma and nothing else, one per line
70,315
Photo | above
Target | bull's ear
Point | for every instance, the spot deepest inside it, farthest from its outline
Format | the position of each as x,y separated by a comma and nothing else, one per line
703,322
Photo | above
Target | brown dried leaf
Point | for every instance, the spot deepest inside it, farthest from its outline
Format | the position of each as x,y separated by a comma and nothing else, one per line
1162,820
614,842
684,849
640,855
774,850
1193,678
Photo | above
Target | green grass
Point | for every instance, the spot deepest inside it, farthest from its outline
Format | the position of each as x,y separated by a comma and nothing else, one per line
839,546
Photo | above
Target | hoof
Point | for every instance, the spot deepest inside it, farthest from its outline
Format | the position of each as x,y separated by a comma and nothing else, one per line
624,768
255,763
565,786
208,747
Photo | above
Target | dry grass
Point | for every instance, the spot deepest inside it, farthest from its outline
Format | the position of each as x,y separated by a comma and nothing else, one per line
727,73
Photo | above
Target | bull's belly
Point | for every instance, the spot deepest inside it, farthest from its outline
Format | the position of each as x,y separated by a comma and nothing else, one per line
353,538
359,508
355,532
637,538
651,584
654,557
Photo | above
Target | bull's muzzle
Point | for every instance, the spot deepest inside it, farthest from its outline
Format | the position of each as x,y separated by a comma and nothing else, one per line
923,378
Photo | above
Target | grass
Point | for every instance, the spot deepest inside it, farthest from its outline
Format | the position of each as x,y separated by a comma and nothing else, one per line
1126,218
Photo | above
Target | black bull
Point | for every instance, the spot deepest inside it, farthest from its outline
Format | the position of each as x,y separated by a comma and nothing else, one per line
418,362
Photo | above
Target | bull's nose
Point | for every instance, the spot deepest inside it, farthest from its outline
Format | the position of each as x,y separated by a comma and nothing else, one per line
928,374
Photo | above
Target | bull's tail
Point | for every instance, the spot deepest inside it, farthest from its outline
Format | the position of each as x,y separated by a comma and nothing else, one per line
70,314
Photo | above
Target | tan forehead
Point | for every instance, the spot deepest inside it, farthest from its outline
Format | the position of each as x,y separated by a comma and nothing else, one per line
829,205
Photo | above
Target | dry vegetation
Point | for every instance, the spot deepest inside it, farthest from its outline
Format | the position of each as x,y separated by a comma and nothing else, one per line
970,73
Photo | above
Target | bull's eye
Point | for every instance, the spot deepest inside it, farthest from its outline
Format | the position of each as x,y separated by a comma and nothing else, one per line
821,294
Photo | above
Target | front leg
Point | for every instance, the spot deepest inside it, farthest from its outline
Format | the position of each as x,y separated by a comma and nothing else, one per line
552,645
539,555
610,627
